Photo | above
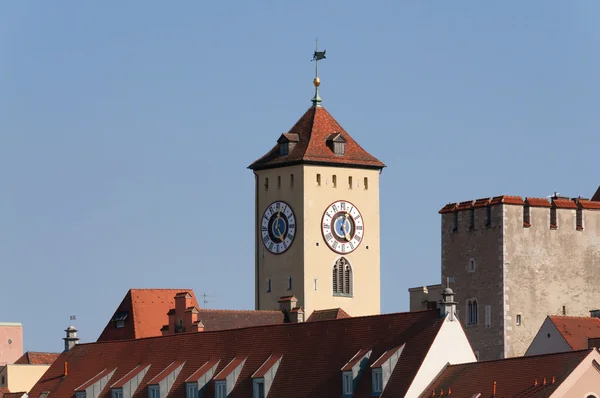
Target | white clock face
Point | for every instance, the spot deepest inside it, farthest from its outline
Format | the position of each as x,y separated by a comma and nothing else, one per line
342,227
278,227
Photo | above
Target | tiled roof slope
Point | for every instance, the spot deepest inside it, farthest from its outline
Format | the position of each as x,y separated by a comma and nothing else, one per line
37,358
576,330
514,377
312,355
323,315
147,313
313,130
596,196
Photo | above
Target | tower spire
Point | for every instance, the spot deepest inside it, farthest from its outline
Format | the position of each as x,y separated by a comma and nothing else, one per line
317,56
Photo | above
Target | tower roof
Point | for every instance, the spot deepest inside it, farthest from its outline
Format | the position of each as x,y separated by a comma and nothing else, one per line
314,130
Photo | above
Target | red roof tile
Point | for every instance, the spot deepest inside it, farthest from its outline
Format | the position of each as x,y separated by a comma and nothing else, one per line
564,204
537,202
120,383
577,330
318,349
481,202
355,359
465,205
514,377
267,365
148,309
386,355
37,358
13,394
94,380
324,315
506,199
313,129
202,370
165,372
449,208
588,204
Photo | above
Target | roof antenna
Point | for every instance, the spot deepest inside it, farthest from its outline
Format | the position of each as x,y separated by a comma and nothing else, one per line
317,56
205,299
554,196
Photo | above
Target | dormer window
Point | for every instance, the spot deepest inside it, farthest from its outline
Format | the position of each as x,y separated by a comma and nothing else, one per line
337,144
352,370
287,142
262,379
154,391
119,319
221,389
377,381
259,388
347,383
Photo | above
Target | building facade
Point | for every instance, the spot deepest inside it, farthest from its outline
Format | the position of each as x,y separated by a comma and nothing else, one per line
11,342
513,261
317,219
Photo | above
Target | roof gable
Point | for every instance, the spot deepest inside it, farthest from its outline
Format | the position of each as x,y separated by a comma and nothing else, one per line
319,349
37,358
313,130
325,315
577,330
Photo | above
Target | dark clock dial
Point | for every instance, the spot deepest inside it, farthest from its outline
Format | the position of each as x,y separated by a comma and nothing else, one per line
278,227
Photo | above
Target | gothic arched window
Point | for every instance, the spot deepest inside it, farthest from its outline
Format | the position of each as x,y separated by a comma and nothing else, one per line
342,278
472,313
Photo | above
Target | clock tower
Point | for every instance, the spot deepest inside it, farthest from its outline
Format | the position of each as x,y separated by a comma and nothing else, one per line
317,218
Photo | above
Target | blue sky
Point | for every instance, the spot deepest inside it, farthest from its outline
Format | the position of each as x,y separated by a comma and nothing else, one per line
126,132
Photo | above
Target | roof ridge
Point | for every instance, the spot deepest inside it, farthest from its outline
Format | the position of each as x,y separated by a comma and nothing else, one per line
572,352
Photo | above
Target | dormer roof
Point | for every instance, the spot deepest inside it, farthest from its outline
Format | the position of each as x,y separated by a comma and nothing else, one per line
267,365
230,367
166,372
313,130
105,373
208,365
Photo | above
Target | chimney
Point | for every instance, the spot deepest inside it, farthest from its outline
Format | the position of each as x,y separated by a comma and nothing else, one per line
447,304
286,305
164,331
197,326
296,315
71,339
190,316
595,313
183,300
172,321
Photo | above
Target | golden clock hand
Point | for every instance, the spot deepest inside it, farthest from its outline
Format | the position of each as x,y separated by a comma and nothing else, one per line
281,237
347,235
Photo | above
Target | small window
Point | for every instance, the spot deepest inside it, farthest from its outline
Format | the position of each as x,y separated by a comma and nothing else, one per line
289,283
472,218
319,180
120,324
334,181
116,393
526,216
266,184
153,391
339,148
471,266
366,183
316,284
350,182
268,285
472,312
278,182
259,388
377,381
553,221
80,394
3,380
291,181
518,320
455,221
284,148
488,316
347,383
488,216
220,389
579,218
191,390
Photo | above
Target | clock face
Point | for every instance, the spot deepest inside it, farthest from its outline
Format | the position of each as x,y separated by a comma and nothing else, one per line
342,227
278,227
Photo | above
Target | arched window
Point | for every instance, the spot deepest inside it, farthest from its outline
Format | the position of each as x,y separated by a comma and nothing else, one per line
342,278
472,314
475,312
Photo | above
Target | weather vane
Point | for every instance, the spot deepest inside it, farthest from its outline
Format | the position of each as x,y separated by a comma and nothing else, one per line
317,56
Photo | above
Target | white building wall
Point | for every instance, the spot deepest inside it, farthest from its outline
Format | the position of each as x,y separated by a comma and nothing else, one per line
548,340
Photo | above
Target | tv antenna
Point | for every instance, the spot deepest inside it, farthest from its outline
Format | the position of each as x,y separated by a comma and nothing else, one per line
206,298
554,196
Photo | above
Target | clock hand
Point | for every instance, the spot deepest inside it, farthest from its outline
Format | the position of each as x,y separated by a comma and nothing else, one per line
277,226
347,235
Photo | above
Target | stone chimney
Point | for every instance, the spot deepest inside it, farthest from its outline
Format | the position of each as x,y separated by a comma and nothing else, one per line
291,313
447,304
71,339
595,313
190,317
197,326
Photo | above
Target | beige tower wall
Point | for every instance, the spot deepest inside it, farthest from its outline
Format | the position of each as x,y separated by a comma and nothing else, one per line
547,269
309,258
11,342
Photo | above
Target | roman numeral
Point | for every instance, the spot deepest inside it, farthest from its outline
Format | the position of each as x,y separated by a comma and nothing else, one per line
334,245
327,226
328,237
359,227
264,228
343,205
351,245
292,226
290,236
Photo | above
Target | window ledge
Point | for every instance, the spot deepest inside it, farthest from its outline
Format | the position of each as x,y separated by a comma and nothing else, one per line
342,295
526,224
553,226
579,228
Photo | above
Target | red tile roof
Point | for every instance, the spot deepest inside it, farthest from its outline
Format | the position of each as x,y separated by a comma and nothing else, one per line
509,200
202,370
538,202
231,366
514,377
355,359
147,313
316,350
588,204
37,358
577,329
324,315
264,368
165,372
596,196
12,394
94,380
449,208
120,383
465,205
313,129
386,355
481,202
564,204
505,199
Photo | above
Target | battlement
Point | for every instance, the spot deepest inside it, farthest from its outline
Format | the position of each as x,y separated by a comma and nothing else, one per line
484,208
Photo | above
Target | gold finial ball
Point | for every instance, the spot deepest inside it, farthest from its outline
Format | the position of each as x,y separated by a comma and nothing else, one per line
317,82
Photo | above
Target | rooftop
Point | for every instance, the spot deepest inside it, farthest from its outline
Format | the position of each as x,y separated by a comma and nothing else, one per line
577,330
